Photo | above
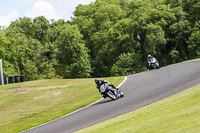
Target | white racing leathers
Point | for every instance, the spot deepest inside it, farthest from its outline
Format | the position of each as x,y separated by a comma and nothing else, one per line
153,63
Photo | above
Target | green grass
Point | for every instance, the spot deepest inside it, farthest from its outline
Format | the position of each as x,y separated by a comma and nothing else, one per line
22,110
177,114
189,60
194,59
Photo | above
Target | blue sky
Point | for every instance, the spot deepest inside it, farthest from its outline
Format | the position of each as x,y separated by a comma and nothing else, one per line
10,10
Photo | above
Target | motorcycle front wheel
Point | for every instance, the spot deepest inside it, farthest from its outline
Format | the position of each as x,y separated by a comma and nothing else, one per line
121,93
111,95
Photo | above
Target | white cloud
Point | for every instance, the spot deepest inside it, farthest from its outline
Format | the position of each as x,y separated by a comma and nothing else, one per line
74,3
62,9
12,16
43,8
69,6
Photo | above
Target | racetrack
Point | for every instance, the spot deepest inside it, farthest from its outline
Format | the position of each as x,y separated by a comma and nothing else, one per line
140,90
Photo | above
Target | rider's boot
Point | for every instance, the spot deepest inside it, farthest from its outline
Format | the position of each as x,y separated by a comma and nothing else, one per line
104,96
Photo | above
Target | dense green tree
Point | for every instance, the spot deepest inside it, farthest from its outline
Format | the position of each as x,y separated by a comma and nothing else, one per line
40,28
155,37
194,42
72,55
104,38
127,64
95,22
192,8
24,52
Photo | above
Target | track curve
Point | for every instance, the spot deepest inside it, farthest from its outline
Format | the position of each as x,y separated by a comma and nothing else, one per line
140,90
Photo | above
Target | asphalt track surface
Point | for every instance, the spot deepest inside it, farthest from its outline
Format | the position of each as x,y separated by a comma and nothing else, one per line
140,90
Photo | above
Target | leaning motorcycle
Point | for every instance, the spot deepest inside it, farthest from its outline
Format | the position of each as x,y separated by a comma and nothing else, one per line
111,92
154,64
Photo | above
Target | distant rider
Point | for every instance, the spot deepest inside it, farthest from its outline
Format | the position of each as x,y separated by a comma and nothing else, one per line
102,82
151,59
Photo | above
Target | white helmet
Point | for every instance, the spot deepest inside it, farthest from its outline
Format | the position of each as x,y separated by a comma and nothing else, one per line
149,56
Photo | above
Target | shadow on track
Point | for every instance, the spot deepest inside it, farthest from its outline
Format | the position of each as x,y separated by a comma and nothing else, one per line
102,102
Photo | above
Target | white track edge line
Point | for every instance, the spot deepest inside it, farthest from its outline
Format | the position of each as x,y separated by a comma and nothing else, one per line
125,78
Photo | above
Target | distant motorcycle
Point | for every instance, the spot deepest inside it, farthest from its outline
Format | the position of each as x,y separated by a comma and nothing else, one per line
154,64
108,91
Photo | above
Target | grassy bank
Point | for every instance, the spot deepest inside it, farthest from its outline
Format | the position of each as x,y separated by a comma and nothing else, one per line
28,104
177,114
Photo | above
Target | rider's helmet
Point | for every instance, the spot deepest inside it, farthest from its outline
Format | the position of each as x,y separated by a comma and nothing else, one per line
149,56
97,81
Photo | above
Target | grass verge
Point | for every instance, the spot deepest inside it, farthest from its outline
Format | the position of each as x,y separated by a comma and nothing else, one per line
177,114
21,110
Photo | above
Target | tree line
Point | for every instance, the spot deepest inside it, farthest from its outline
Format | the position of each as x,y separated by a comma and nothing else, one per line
104,38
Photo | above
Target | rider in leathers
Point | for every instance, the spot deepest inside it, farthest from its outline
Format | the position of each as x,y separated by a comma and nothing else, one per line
101,82
150,59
